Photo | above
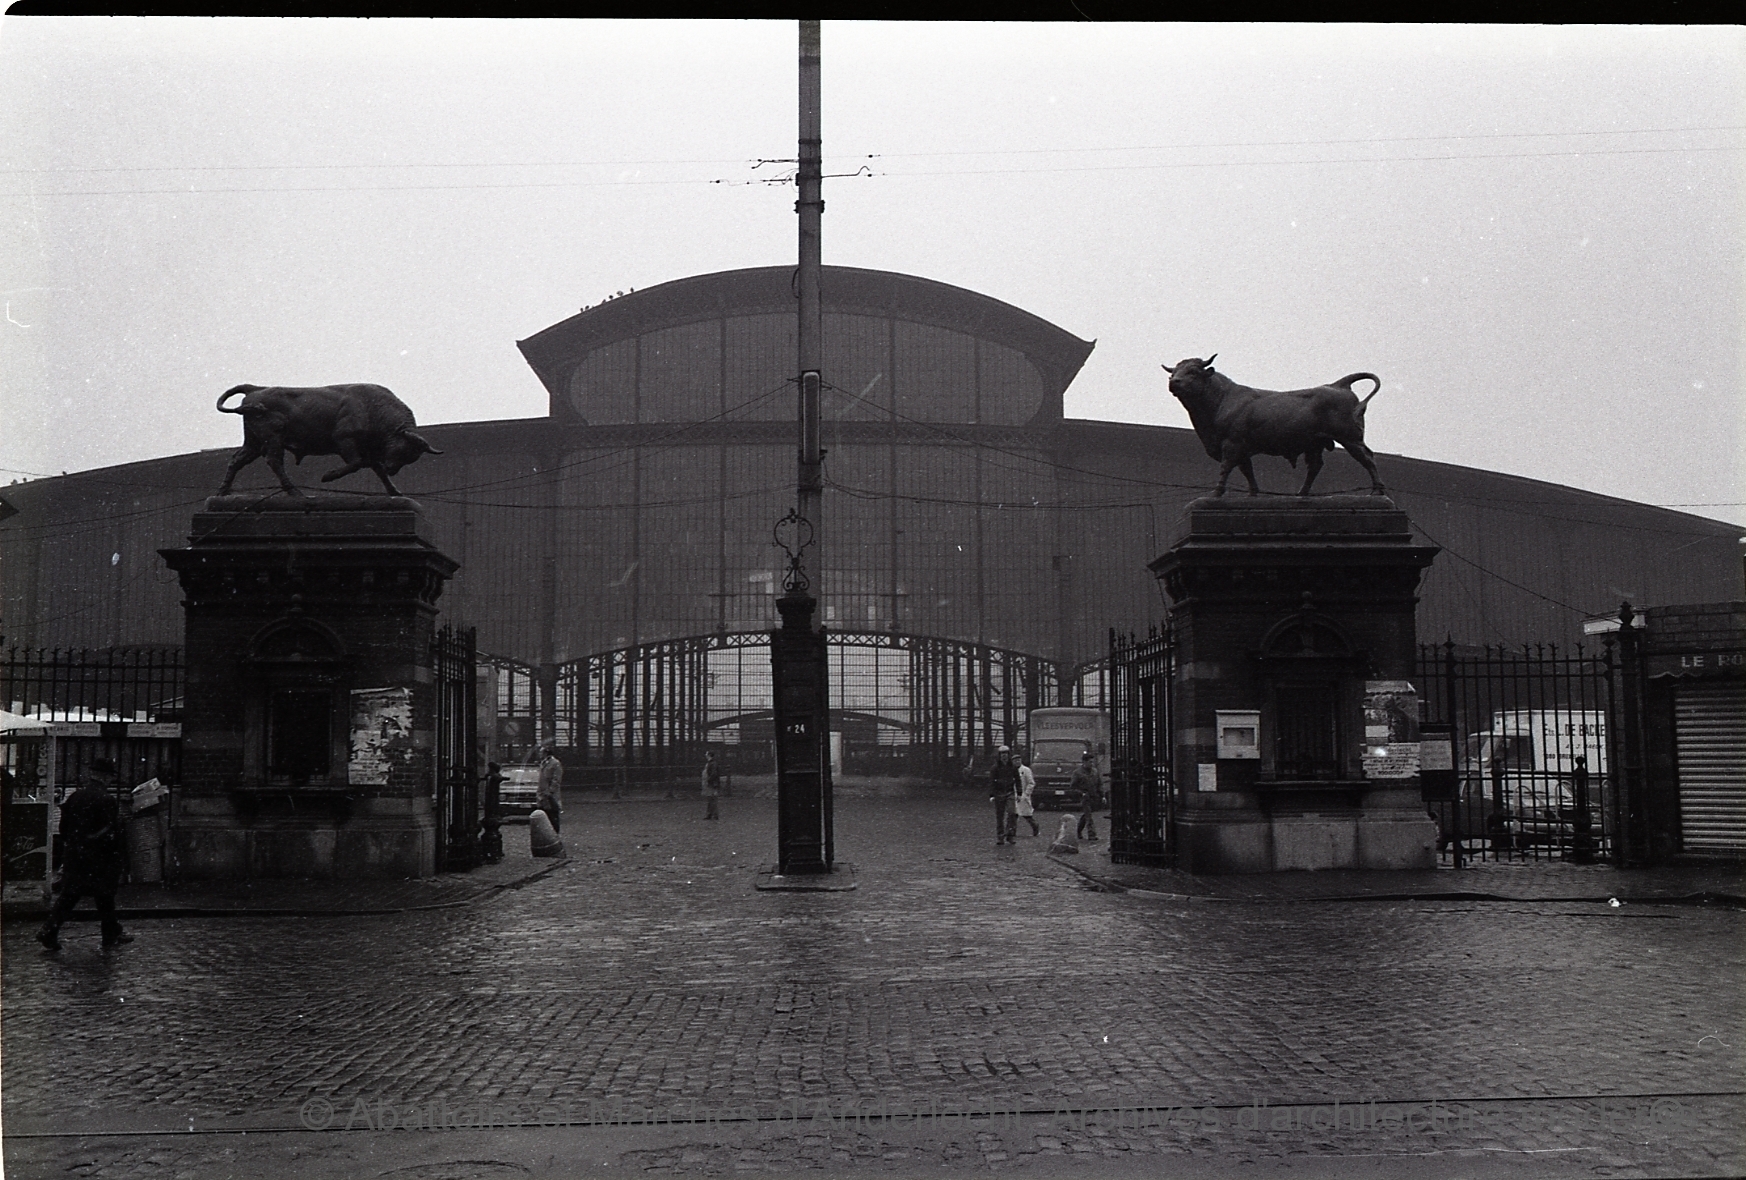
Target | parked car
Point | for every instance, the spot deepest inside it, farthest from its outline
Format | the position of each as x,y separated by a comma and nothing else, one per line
519,791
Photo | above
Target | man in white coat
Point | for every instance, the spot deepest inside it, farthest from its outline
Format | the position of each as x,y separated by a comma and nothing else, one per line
1022,805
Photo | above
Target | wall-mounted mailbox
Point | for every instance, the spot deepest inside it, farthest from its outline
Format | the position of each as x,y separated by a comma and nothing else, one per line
1239,733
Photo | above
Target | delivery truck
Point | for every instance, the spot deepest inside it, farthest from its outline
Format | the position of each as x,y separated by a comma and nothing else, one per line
1059,739
1518,778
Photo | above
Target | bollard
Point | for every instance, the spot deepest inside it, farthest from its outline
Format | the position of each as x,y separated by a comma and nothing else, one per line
542,836
1498,826
1067,839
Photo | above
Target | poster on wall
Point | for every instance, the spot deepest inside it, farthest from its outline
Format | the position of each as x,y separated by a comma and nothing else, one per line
381,734
1391,729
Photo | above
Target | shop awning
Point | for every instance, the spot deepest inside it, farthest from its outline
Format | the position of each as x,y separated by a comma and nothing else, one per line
14,725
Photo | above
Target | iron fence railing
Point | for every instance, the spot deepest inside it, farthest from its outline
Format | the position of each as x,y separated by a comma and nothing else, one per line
457,772
1540,762
123,704
1139,676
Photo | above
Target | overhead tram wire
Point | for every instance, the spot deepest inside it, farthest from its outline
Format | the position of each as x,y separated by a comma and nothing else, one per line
1008,451
1457,555
870,494
997,506
956,152
1160,147
613,507
1041,462
441,495
229,517
105,520
678,429
1183,164
1176,147
866,172
91,475
661,442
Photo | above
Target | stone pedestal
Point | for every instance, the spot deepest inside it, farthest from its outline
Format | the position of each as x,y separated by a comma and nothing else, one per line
307,734
1296,727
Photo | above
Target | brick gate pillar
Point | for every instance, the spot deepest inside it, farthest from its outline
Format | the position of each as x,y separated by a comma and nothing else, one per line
1296,724
308,724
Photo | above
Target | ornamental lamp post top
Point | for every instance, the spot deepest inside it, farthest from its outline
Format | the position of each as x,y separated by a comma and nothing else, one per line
793,534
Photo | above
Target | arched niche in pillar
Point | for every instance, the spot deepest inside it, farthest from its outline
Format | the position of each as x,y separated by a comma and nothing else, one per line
298,677
1312,683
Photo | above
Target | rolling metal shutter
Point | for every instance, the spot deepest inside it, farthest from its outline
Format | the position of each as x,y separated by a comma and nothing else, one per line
1710,745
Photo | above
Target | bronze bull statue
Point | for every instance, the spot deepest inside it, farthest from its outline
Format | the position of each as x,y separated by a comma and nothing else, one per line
1236,423
365,425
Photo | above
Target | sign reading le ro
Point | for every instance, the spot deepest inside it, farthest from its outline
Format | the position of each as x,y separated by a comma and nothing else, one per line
1696,662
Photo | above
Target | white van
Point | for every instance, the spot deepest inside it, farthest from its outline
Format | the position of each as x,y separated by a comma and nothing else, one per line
1518,778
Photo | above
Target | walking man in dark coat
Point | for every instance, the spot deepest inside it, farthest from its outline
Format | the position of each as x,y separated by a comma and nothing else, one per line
1089,783
493,804
93,845
1003,786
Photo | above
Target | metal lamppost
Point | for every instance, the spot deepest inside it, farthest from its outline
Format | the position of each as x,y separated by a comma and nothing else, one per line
802,716
797,648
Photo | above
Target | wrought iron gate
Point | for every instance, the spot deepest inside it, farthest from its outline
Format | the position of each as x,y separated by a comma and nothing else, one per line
1142,785
899,703
455,660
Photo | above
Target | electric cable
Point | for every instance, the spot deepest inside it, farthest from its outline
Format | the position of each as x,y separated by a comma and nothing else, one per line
865,171
1162,147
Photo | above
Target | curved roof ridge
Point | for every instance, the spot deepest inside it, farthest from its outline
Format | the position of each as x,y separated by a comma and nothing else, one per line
554,352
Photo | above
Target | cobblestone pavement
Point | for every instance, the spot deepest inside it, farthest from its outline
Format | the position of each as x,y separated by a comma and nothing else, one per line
647,979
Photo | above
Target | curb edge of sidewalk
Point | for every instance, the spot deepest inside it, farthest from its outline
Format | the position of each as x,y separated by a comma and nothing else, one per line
33,910
1702,897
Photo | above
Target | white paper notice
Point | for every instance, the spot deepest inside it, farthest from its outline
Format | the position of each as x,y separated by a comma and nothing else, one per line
1436,754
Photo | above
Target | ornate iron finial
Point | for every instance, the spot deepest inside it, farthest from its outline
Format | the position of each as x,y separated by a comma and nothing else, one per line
797,530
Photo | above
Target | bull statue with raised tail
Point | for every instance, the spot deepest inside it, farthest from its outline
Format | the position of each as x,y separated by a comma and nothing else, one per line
365,425
1236,423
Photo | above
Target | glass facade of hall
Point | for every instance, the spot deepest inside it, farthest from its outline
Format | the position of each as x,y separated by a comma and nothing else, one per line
666,542
959,503
877,368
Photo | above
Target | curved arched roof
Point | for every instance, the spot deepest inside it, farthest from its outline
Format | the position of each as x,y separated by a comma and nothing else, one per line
1057,353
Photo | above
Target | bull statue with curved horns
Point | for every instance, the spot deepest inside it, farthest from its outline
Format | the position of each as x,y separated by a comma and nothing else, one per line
1236,423
365,425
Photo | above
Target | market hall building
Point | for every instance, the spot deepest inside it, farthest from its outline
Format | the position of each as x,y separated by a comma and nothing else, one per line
978,546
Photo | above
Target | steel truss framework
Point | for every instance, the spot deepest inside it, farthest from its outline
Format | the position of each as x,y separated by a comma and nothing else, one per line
899,703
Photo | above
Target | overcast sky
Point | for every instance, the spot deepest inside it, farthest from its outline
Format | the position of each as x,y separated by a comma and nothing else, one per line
1534,235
